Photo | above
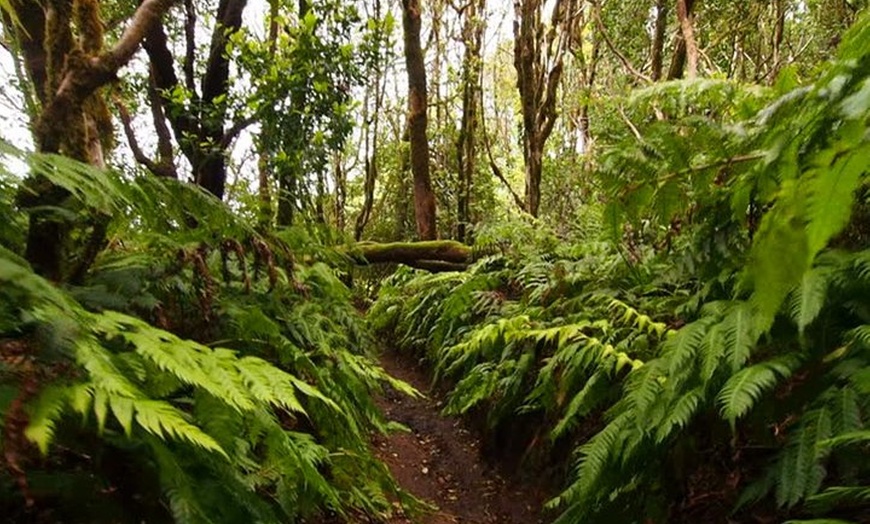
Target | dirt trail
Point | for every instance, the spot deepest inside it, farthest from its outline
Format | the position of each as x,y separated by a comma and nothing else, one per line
439,462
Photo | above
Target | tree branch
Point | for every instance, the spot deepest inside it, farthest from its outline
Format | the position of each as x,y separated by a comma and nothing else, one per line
622,58
86,74
184,124
140,156
190,43
234,131
164,137
492,164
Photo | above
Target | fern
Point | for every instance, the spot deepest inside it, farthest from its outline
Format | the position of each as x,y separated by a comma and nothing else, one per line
746,387
809,298
799,471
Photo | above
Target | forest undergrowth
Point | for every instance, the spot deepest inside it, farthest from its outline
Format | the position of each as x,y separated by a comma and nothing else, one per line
198,372
692,346
698,349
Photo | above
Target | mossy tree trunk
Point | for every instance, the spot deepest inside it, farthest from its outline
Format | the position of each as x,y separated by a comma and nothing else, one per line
67,68
433,255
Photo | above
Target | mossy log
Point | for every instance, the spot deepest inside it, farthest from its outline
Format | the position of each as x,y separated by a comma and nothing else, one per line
431,255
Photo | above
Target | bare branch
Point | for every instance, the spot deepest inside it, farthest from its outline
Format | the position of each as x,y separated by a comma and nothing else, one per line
138,154
492,164
628,122
234,131
622,58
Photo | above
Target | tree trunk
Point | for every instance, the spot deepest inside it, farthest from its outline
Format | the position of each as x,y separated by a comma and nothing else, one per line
424,198
340,177
689,45
539,69
264,189
466,147
200,127
658,42
67,70
778,35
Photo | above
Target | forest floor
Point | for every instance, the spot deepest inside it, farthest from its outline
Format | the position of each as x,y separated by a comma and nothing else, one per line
439,461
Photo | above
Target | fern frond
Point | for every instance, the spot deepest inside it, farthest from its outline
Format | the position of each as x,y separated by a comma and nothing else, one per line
741,333
581,404
846,439
799,472
680,414
808,299
44,415
178,486
182,358
743,390
840,496
163,420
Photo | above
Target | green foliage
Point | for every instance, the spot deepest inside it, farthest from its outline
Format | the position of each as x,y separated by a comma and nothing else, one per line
232,379
720,334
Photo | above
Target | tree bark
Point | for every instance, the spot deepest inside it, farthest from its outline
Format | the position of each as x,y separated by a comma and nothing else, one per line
67,70
539,70
658,43
467,146
424,198
689,54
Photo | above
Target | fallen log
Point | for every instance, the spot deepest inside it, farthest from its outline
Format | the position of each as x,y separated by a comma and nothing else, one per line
431,255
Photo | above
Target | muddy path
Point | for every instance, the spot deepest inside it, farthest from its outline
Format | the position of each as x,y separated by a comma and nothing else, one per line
439,461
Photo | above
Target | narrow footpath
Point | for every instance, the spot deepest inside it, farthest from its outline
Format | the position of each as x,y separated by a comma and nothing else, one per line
439,461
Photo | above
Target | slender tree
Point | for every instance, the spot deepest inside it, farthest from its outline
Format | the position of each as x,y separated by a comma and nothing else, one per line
685,17
658,42
424,197
472,67
538,58
687,28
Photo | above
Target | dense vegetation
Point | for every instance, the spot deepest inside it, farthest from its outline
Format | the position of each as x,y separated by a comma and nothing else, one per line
695,363
198,360
671,319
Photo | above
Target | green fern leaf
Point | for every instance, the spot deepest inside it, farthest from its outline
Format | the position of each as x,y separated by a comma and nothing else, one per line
178,486
680,414
854,496
745,388
861,436
682,348
740,335
809,298
799,472
122,408
162,420
582,403
44,414
831,197
268,384
712,351
780,256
